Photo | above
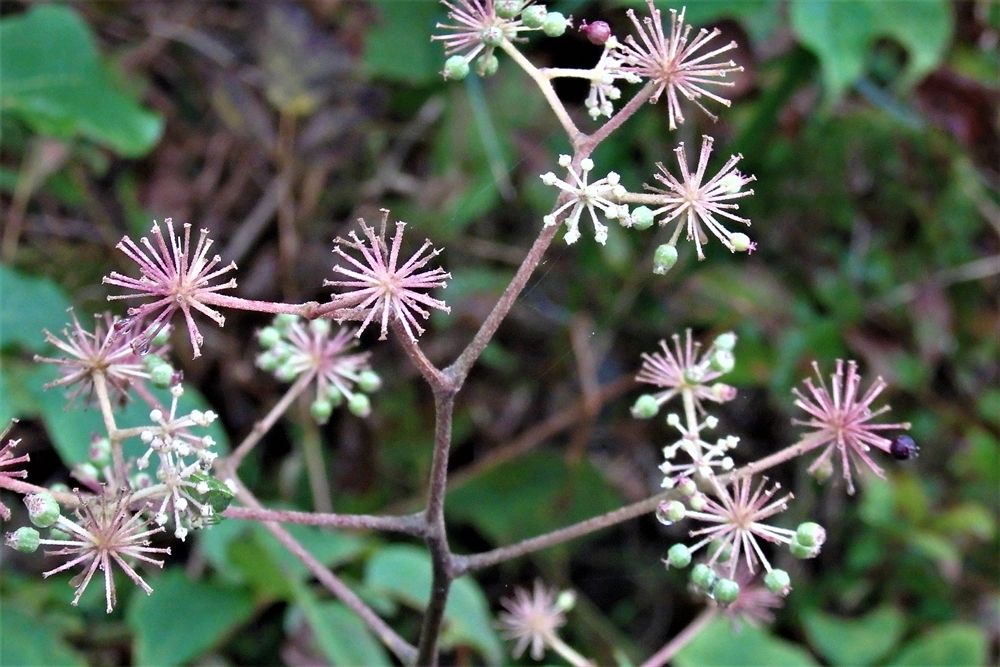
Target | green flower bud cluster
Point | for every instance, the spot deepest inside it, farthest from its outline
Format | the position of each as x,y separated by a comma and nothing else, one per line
161,373
292,347
480,42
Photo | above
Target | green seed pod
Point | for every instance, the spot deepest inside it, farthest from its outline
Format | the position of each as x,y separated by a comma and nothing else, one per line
162,337
321,409
678,556
283,321
286,372
674,511
43,510
334,395
456,68
721,548
487,64
723,361
645,407
268,337
642,217
778,581
810,534
24,539
492,36
359,405
533,16
369,381
266,361
703,577
687,487
664,258
725,591
698,501
320,327
555,24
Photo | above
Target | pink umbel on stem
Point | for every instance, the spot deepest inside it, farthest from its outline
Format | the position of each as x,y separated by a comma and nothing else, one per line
696,202
681,367
531,619
674,64
841,419
176,277
87,354
105,532
475,28
383,288
316,348
737,516
8,462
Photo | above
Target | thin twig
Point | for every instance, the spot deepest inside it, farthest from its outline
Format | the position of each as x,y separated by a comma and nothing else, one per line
411,524
682,639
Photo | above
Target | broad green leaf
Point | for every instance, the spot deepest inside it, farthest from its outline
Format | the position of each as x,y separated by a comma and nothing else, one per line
841,32
182,619
719,644
760,17
398,47
29,304
54,80
405,573
953,644
540,491
854,641
339,633
27,641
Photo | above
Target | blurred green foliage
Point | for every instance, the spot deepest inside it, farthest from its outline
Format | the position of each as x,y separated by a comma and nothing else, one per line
863,123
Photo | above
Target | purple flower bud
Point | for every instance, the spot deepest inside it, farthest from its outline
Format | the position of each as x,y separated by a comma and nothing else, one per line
597,32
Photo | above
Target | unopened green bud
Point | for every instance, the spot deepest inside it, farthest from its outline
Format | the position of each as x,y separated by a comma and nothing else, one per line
24,539
268,337
723,361
778,581
664,258
800,550
726,341
687,487
266,361
723,392
678,556
100,451
86,471
487,65
725,591
321,409
286,372
492,36
369,381
43,510
703,577
810,534
161,375
698,501
642,217
507,9
566,601
359,405
645,407
555,24
823,471
720,550
456,68
534,16
741,242
672,511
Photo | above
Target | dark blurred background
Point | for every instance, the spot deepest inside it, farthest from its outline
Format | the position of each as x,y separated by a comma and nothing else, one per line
872,129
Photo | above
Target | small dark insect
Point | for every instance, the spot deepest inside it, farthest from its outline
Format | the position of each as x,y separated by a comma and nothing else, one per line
903,448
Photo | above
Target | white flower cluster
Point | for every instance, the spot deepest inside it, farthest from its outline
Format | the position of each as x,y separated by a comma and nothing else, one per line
597,196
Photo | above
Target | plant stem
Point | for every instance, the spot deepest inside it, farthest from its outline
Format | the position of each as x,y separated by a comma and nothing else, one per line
265,424
411,524
548,92
431,373
108,414
568,652
682,639
616,121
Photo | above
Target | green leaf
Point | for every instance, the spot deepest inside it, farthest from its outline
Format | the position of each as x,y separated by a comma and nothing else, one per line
540,492
27,641
54,80
30,304
405,573
719,644
841,32
952,644
339,633
854,641
183,619
398,47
